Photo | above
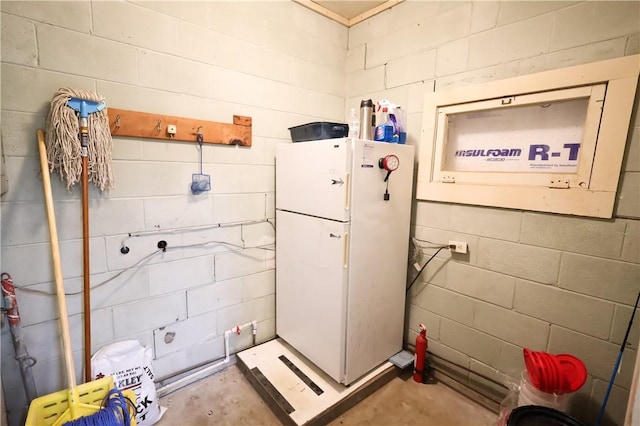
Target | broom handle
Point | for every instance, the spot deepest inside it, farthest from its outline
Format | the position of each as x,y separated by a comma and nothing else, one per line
86,272
57,269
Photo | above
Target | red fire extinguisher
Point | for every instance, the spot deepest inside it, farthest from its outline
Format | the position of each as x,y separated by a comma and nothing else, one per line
421,354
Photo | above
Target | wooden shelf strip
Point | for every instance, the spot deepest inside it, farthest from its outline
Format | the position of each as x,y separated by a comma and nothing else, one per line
154,126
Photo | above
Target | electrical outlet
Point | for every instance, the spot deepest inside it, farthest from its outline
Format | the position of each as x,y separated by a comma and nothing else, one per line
172,129
458,247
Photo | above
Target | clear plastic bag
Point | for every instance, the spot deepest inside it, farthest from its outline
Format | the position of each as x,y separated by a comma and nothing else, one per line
509,402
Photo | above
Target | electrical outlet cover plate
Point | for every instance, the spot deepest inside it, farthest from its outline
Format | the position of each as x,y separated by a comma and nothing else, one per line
459,246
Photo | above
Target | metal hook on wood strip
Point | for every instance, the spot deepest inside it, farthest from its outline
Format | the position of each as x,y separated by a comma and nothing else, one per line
117,123
158,128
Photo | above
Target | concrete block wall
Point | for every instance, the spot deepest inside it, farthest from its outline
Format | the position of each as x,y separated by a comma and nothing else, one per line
276,62
548,282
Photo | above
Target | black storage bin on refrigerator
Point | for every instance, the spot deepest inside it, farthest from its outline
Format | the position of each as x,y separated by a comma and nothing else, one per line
318,130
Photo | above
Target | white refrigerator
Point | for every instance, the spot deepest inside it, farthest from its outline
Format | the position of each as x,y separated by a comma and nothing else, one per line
343,209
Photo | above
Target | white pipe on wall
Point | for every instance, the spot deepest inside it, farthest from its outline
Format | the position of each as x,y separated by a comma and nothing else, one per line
186,380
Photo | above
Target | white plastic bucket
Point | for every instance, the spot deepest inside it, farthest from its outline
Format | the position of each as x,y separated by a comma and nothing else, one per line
530,395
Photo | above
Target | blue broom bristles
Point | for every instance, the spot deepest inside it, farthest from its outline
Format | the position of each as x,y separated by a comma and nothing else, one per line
117,410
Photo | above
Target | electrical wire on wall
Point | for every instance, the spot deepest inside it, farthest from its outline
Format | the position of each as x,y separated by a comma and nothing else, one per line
415,258
424,266
416,255
164,247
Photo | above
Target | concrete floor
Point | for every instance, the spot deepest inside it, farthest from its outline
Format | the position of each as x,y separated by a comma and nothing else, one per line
227,398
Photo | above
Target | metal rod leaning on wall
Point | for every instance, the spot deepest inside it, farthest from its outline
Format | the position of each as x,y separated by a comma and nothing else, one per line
25,361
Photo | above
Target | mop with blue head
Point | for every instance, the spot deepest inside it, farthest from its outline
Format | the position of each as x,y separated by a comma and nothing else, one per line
78,405
77,129
79,146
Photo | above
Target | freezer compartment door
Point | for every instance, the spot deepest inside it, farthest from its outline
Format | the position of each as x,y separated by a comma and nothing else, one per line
311,288
314,178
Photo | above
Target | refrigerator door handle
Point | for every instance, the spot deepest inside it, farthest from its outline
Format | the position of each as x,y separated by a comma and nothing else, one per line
347,191
345,248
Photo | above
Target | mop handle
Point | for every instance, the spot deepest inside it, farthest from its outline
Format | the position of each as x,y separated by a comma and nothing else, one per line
57,269
617,366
